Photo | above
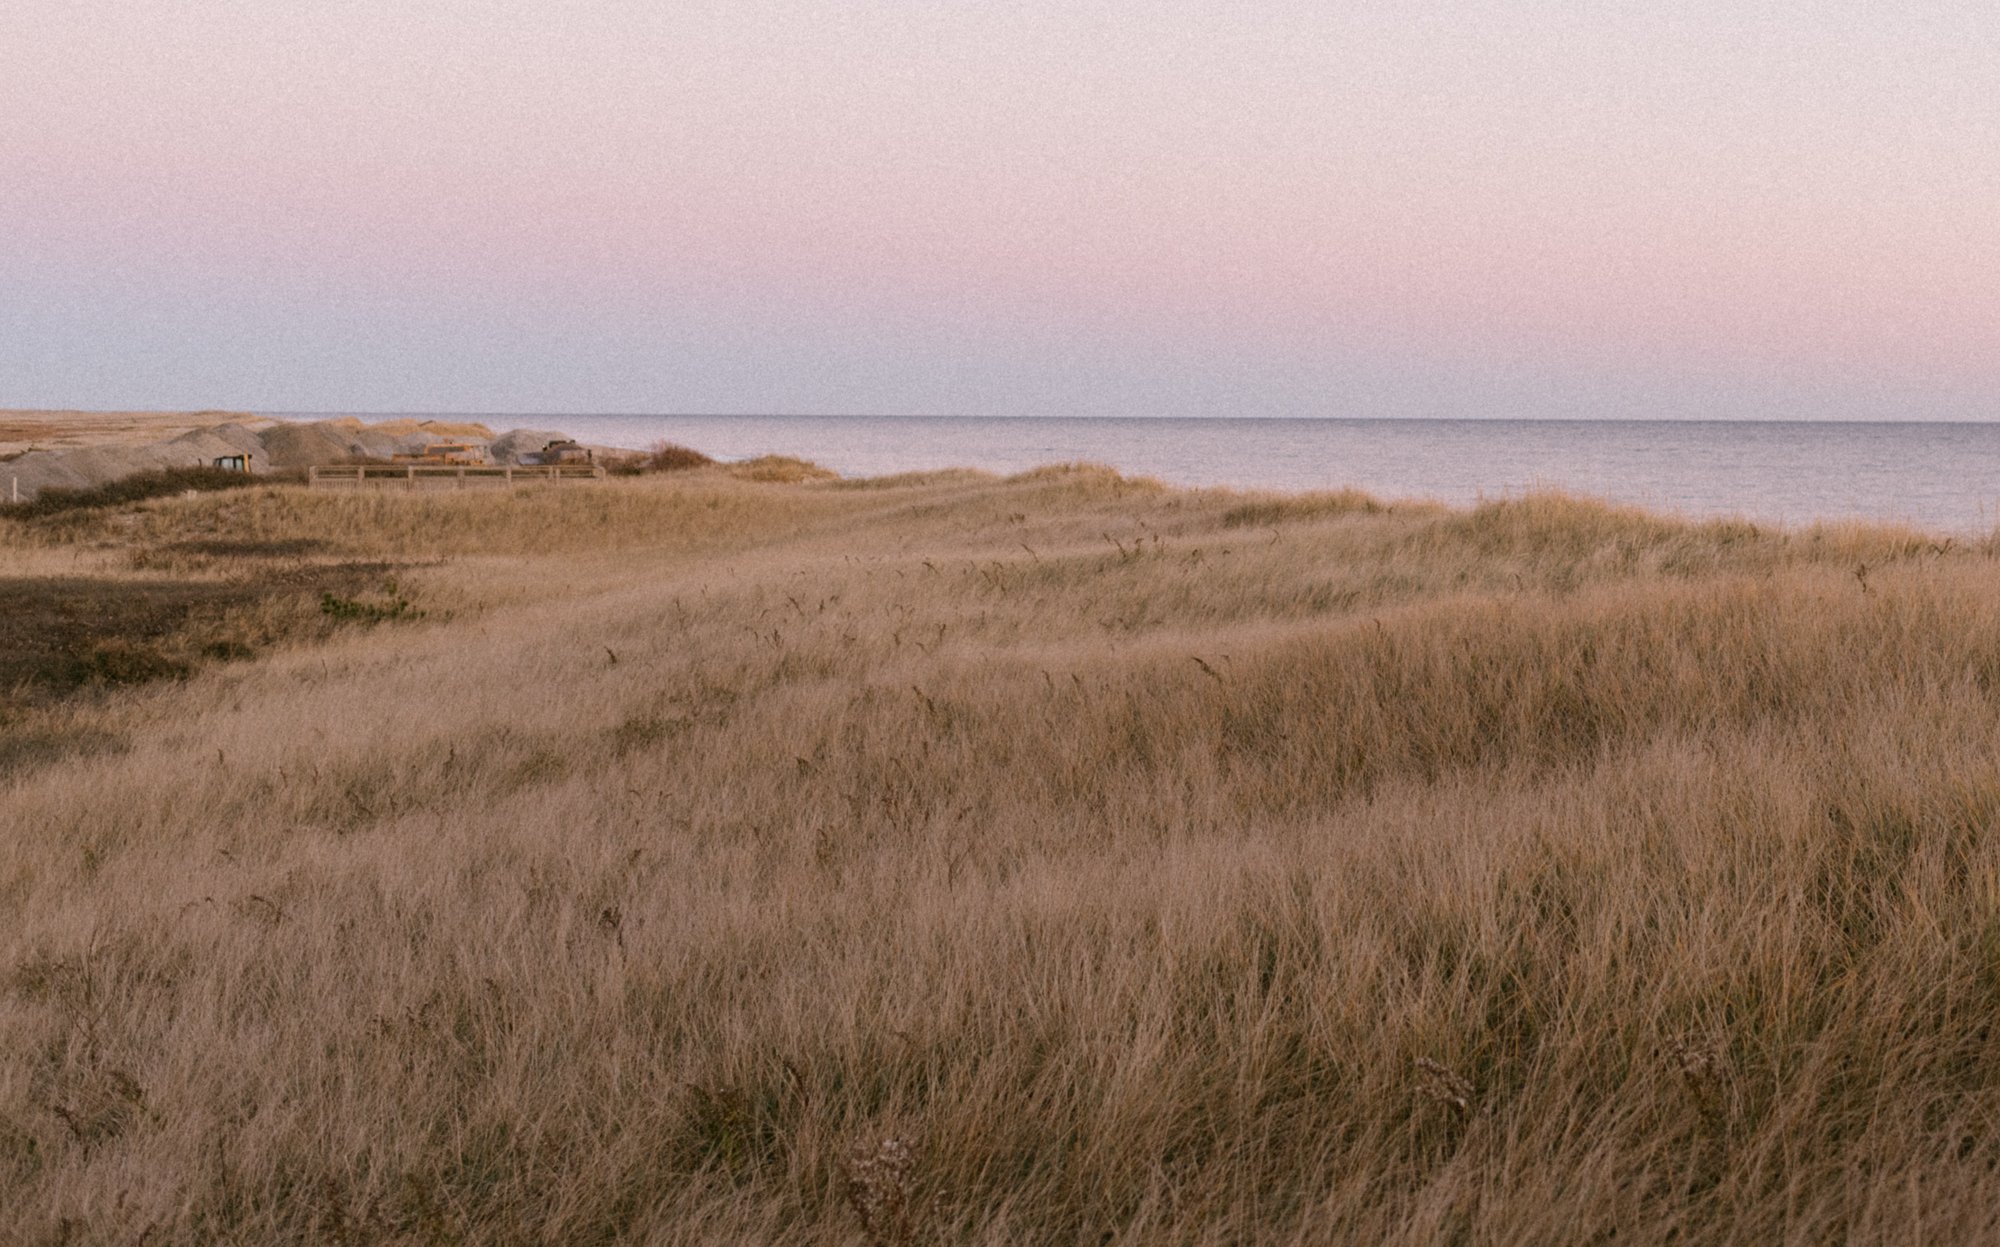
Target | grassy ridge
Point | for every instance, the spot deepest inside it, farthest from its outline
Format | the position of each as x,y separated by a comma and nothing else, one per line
1054,859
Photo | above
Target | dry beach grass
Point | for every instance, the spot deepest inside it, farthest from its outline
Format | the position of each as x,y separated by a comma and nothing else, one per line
1057,859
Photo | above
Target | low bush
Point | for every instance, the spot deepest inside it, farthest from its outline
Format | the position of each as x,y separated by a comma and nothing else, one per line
671,457
358,610
780,470
662,457
120,661
162,483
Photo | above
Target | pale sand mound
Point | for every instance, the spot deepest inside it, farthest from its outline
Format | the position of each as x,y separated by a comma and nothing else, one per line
272,446
429,430
510,446
208,445
304,445
95,465
22,430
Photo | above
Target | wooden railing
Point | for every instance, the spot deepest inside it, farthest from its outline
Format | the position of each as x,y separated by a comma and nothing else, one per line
446,475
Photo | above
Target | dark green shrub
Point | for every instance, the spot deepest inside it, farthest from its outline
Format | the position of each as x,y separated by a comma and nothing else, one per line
125,662
356,610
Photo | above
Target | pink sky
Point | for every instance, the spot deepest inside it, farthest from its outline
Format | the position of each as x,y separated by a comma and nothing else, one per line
496,204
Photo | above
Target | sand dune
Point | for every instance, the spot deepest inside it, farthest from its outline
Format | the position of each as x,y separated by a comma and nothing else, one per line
1059,859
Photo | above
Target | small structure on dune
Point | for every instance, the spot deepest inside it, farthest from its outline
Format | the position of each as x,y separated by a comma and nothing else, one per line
231,463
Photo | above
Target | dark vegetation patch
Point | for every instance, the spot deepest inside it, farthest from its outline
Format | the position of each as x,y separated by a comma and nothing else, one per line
163,483
670,457
389,604
118,661
60,634
62,637
663,457
780,470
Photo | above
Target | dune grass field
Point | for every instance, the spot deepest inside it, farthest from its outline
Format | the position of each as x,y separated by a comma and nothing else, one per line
1058,859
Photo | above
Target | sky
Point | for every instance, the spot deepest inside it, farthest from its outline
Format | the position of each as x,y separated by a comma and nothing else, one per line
1717,208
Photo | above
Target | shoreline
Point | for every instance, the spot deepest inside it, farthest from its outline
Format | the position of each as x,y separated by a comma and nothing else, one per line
65,431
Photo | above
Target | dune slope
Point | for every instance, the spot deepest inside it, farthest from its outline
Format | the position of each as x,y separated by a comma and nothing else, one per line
1056,859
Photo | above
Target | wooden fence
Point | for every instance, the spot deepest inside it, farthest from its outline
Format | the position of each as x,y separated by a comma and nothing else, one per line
445,475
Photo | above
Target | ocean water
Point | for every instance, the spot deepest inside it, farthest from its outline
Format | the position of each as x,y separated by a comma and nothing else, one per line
1935,475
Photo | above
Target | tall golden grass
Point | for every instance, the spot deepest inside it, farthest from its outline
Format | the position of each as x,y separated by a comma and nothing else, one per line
1058,859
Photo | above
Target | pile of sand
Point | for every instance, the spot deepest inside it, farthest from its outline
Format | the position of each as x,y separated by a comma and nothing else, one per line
25,430
509,447
305,445
421,430
37,470
272,446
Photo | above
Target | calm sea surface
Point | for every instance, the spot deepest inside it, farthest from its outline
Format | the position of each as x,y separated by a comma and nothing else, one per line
1944,476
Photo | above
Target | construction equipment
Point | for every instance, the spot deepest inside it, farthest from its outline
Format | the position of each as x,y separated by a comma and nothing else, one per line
445,452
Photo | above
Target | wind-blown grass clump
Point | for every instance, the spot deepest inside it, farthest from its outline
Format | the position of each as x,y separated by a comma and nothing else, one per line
779,470
672,457
1049,860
